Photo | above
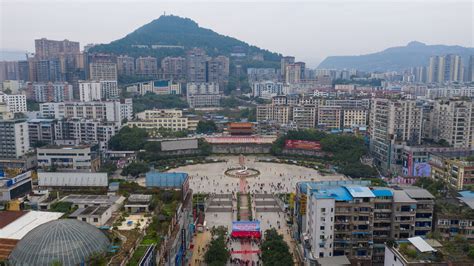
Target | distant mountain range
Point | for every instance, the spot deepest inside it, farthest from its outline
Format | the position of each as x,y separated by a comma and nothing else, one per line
182,32
395,58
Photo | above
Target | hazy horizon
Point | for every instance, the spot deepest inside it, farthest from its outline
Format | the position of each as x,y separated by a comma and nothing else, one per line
311,31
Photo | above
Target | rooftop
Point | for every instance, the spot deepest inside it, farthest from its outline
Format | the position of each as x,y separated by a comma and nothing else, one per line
333,261
418,193
382,192
19,227
360,192
139,198
338,193
92,199
401,196
90,211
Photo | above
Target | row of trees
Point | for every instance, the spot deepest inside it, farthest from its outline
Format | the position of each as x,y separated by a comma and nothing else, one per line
154,101
217,253
345,150
275,251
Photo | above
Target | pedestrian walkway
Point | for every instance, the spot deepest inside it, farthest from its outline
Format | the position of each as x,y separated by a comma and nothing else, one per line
200,243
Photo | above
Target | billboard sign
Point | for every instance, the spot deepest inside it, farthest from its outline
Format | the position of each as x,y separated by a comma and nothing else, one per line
422,169
303,145
245,226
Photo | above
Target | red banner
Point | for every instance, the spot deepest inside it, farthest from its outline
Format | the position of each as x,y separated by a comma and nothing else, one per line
303,145
245,251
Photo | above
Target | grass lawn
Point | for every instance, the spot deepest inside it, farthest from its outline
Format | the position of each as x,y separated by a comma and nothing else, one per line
137,255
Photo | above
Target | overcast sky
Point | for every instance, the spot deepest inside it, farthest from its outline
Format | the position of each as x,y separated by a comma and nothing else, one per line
309,30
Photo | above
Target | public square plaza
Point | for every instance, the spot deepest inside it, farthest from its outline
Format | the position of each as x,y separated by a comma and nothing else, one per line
273,177
239,174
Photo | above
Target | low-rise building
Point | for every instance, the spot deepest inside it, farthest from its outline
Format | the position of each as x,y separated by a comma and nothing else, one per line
72,179
16,103
50,92
203,94
458,172
138,203
14,138
95,215
163,118
68,158
416,251
84,201
455,217
159,87
15,187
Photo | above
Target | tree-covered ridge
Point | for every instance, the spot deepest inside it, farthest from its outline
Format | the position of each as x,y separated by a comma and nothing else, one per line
174,30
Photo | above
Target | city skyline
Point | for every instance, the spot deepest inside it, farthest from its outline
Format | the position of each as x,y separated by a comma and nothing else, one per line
251,22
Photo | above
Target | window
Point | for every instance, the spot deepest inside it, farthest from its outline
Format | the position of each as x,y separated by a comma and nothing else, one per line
84,219
321,254
96,220
321,227
323,209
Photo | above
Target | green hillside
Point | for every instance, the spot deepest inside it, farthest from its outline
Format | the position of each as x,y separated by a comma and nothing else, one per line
174,30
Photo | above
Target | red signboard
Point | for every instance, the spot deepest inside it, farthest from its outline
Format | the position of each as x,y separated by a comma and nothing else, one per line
303,145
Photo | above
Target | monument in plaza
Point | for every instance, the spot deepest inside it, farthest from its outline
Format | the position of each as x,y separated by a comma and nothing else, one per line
242,171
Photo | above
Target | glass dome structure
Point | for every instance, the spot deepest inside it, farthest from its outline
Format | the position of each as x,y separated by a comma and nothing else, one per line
64,241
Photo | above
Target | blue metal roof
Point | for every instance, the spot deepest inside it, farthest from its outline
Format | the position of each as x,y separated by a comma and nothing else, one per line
467,194
382,192
166,180
360,192
336,193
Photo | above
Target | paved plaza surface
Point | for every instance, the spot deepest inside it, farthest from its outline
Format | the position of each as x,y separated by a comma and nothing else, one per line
273,178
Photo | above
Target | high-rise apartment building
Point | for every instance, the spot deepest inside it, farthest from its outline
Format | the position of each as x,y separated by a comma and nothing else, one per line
448,68
146,66
50,92
293,73
304,116
125,65
90,91
452,121
106,73
393,122
218,70
352,219
45,70
47,49
15,103
14,139
42,131
285,61
9,70
470,69
103,71
196,65
114,111
174,68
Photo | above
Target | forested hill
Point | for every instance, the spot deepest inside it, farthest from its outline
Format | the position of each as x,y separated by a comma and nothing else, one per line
177,31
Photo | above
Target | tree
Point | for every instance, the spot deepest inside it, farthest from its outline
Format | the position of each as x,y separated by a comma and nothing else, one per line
275,250
154,101
128,139
217,254
206,127
230,102
108,167
135,169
